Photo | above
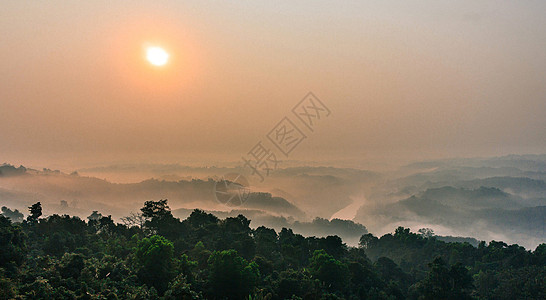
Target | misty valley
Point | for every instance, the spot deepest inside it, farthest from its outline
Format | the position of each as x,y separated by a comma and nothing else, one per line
308,231
271,150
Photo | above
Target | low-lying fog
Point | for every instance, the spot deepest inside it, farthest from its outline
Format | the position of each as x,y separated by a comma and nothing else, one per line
499,198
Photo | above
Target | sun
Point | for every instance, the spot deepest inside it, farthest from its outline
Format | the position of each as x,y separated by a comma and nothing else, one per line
157,56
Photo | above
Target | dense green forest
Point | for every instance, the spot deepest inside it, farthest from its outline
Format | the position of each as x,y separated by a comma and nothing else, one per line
154,255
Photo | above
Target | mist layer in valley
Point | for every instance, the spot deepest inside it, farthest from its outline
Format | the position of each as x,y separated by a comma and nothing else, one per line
500,198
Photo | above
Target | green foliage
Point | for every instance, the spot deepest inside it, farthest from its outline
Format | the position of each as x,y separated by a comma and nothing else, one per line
155,209
71,265
179,289
35,212
231,276
12,245
203,257
294,284
445,283
266,242
367,241
94,216
235,233
7,289
155,256
330,271
200,254
159,219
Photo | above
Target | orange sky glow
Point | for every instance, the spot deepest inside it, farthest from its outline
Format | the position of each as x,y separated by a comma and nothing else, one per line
429,80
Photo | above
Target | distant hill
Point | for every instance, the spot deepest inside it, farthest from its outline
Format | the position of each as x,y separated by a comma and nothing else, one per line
9,170
21,187
484,212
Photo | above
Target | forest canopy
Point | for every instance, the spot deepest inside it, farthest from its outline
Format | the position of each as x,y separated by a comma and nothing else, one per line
154,255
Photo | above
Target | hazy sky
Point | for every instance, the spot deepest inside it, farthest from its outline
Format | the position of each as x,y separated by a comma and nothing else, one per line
403,79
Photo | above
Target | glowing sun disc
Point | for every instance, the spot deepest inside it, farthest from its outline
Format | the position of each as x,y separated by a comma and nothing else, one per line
157,56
